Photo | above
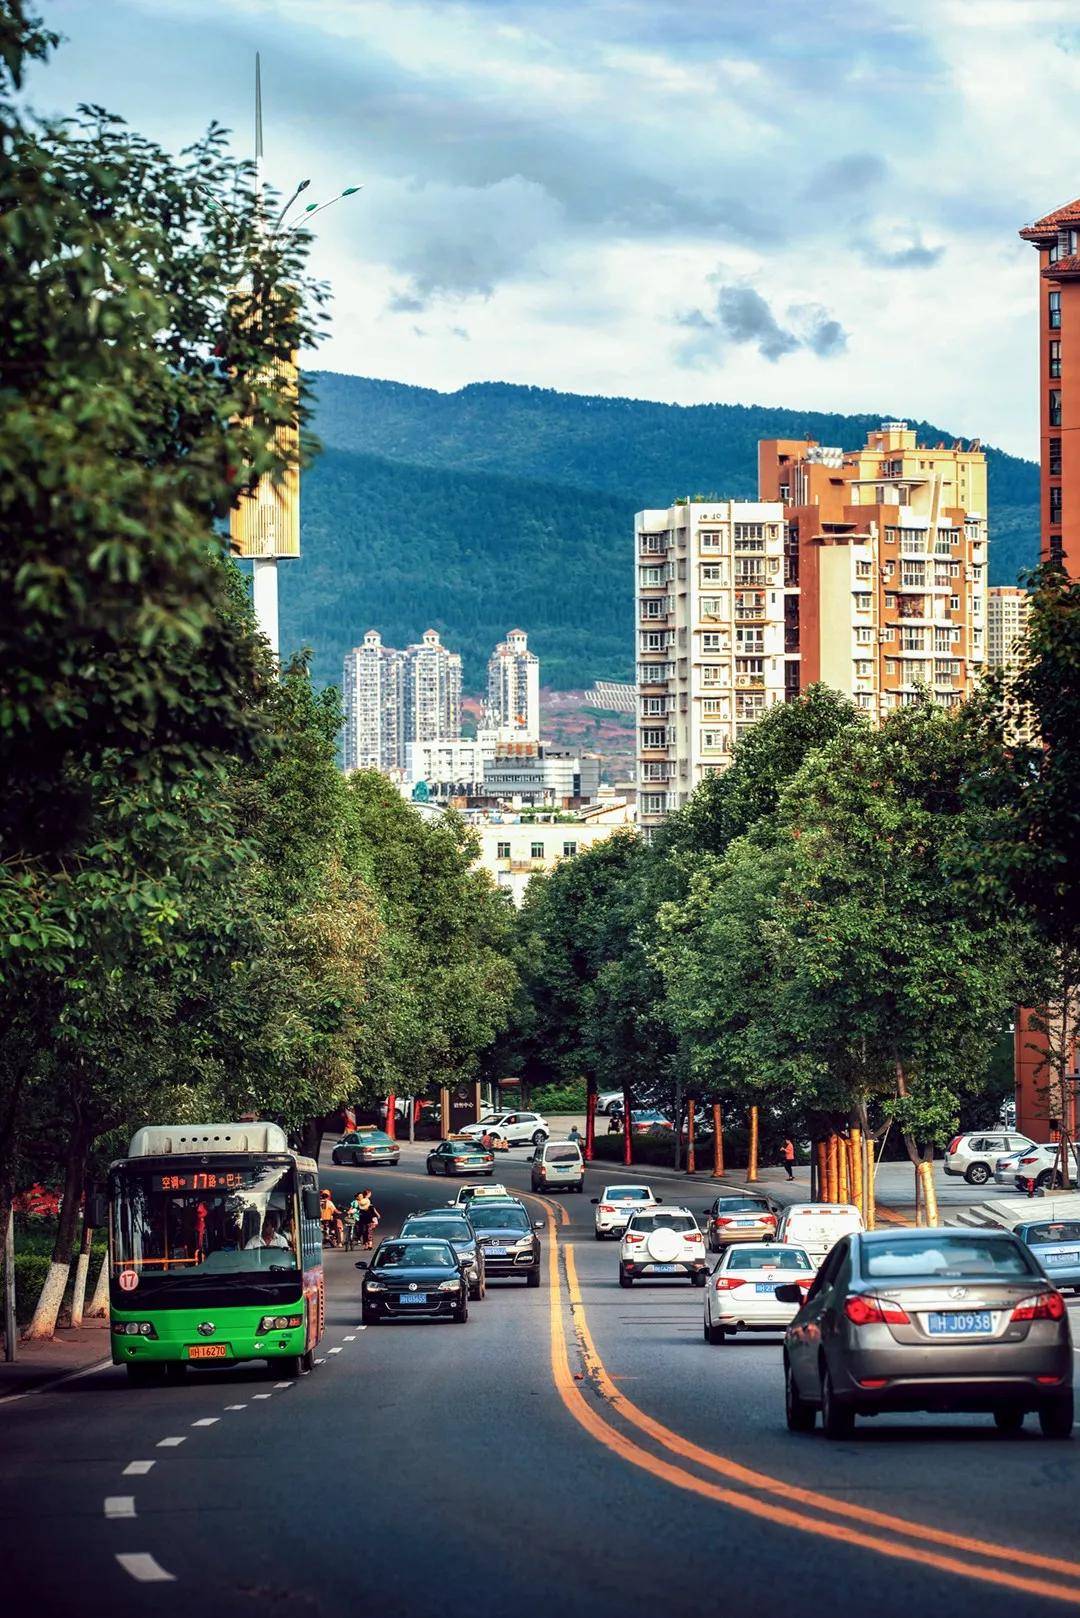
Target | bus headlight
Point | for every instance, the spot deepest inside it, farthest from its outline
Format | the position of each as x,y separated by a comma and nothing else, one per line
279,1323
134,1328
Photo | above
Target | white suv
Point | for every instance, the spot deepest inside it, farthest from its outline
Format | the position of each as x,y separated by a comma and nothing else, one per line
662,1242
609,1101
615,1205
516,1128
974,1156
1042,1164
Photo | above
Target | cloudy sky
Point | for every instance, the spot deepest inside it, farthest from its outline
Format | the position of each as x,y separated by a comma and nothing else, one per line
740,200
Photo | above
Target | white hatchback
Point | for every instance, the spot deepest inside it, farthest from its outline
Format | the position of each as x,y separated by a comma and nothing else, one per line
615,1205
666,1243
741,1293
516,1128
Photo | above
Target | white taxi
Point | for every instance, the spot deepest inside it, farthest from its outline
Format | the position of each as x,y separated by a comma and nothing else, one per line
466,1193
663,1242
616,1203
741,1292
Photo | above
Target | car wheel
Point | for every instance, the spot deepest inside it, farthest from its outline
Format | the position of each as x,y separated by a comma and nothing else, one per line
1044,1179
140,1376
715,1334
335,1157
599,1234
289,1366
533,1277
461,1313
1056,1416
580,1188
370,1317
625,1280
698,1279
430,1170
837,1420
307,1362
801,1416
474,1292
1008,1419
539,1137
976,1174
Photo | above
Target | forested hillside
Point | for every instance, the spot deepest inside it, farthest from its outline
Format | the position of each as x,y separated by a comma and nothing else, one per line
496,505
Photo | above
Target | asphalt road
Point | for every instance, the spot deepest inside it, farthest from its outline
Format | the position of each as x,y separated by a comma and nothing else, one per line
578,1449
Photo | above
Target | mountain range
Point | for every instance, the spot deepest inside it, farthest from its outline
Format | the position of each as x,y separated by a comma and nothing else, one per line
500,506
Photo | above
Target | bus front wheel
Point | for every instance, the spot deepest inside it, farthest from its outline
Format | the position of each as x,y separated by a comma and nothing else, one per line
140,1375
291,1365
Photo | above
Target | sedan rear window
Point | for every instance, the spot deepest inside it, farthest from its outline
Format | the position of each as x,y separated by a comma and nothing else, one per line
761,1258
627,1193
662,1221
1064,1230
951,1257
740,1205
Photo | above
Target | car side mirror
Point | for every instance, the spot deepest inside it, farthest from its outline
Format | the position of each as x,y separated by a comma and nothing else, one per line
361,1264
311,1203
788,1294
595,1201
538,1224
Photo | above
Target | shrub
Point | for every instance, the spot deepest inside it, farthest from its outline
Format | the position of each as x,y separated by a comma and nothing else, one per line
558,1098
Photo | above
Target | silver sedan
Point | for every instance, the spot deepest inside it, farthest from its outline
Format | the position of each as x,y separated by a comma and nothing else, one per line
945,1320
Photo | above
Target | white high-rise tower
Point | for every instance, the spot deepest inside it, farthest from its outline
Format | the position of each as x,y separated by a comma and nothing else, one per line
513,688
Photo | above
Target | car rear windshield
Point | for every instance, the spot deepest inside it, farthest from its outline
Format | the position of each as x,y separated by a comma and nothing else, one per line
761,1258
415,1256
492,1216
1066,1230
627,1193
740,1205
454,1230
562,1154
462,1149
948,1256
662,1221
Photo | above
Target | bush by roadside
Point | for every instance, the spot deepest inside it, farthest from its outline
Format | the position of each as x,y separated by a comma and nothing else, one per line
556,1098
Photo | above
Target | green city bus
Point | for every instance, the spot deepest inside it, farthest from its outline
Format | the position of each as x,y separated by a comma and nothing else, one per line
215,1250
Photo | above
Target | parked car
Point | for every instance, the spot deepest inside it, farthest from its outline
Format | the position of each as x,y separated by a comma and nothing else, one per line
366,1145
734,1218
557,1163
1005,1167
516,1128
663,1242
609,1101
414,1276
1056,1245
1041,1165
741,1292
616,1203
974,1157
645,1119
916,1319
817,1226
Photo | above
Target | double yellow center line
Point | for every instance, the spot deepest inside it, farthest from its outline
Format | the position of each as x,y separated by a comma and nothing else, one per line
604,1412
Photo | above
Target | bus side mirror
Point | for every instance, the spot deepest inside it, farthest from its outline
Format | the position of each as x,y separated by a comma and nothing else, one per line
311,1203
97,1210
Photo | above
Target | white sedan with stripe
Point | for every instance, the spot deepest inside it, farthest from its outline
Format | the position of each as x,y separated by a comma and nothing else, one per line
741,1291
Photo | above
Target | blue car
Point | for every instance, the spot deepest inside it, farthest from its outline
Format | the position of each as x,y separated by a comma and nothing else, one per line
1056,1245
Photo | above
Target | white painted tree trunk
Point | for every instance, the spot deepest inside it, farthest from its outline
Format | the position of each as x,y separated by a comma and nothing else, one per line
78,1294
48,1305
99,1301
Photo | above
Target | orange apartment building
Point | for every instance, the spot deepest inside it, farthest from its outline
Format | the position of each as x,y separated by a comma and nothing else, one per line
1056,238
885,563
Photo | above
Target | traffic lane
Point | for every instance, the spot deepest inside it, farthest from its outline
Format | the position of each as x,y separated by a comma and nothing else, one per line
955,1472
443,1455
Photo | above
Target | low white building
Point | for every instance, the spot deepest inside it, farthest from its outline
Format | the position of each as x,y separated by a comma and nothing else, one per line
514,851
530,774
452,767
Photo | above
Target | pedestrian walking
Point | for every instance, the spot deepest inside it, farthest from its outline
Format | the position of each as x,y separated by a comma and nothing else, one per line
367,1216
787,1153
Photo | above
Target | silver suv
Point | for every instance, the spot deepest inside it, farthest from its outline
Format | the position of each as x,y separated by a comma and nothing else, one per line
974,1157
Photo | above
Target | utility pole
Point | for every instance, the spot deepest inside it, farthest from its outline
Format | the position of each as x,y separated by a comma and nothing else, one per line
9,1288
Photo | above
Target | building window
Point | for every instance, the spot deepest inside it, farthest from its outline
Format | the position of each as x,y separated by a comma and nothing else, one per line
712,573
864,634
1054,311
654,803
712,607
1055,356
1055,503
1055,458
890,601
709,540
569,849
502,851
537,851
654,673
862,602
651,739
1055,407
714,741
954,603
711,641
712,707
750,640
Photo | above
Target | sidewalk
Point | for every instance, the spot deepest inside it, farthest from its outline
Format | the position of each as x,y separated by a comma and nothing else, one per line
39,1364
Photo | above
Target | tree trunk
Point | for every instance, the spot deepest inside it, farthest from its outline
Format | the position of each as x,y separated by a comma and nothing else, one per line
627,1129
43,1325
678,1124
391,1116
691,1159
832,1173
590,1121
821,1153
871,1200
718,1141
99,1300
412,1119
752,1164
82,1264
843,1190
10,1333
924,1171
857,1194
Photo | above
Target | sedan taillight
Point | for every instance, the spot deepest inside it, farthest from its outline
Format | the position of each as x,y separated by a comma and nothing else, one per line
1040,1306
632,1237
865,1310
693,1235
728,1283
769,1219
606,1207
720,1222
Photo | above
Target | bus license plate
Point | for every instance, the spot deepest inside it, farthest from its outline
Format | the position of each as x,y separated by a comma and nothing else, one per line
208,1351
956,1323
413,1297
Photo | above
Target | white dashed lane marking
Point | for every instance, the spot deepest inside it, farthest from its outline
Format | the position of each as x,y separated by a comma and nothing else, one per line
262,1395
169,1443
283,1384
119,1505
351,1339
333,1350
206,1421
236,1407
143,1567
137,1469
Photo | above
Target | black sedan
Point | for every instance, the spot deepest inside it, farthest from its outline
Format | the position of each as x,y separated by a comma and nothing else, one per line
415,1277
456,1228
366,1146
508,1237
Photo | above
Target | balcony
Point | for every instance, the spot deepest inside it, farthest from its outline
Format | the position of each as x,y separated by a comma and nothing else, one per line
749,682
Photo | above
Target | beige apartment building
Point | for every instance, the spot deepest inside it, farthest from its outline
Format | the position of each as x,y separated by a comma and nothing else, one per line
711,640
1006,625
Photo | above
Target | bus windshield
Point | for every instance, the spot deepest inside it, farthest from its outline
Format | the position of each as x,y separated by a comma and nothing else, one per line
175,1220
